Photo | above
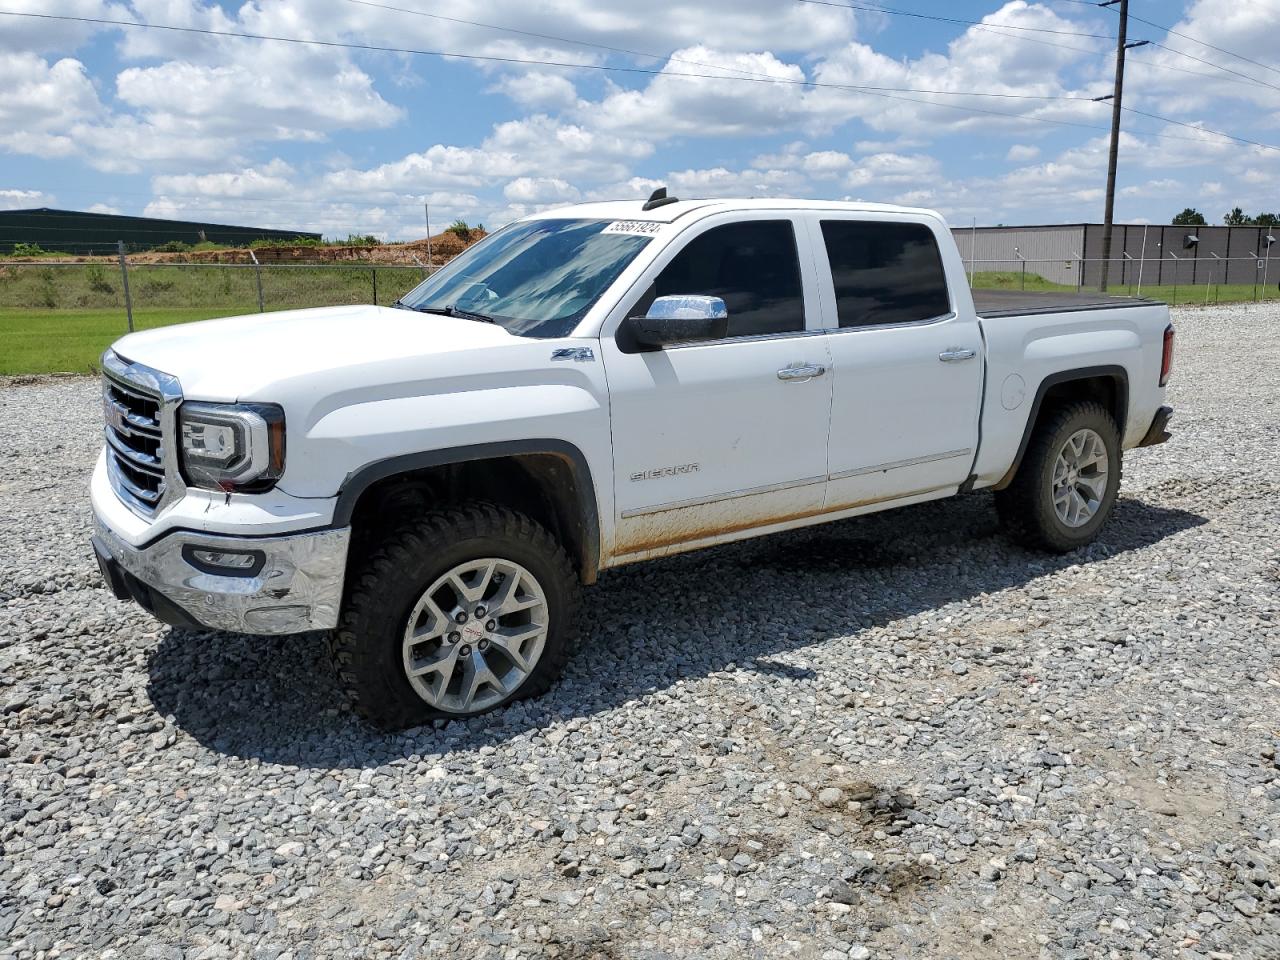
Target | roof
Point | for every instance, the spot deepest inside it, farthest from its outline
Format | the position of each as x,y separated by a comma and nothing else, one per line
96,215
670,212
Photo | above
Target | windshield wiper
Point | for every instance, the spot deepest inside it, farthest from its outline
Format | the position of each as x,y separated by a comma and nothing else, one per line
469,315
452,311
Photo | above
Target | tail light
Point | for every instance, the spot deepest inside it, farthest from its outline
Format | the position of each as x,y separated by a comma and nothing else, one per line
1166,361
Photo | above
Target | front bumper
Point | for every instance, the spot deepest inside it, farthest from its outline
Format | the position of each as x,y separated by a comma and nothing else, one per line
296,587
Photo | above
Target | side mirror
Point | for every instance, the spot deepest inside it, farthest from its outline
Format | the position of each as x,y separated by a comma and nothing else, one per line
680,319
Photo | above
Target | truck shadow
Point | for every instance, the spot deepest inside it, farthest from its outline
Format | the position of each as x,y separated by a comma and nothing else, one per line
645,628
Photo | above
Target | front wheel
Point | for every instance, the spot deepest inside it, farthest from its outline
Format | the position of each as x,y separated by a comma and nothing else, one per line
1067,482
455,615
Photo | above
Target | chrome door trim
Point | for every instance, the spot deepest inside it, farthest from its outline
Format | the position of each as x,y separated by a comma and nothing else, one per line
899,464
905,325
750,338
716,498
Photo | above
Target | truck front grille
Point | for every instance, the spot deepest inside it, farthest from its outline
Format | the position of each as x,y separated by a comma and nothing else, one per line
138,406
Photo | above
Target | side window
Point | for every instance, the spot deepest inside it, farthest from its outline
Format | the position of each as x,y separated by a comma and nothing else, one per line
753,267
885,272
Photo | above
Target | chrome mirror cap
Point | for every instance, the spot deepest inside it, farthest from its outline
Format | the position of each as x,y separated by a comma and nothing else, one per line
687,307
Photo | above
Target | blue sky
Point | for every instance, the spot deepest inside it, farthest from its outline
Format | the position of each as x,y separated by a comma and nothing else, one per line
340,140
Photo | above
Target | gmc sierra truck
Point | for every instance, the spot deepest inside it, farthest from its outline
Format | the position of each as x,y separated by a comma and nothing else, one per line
433,482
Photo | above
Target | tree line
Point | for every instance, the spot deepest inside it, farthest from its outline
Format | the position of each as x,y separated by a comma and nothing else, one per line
1191,217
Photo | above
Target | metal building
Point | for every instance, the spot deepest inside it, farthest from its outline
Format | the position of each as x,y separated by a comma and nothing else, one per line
1072,253
74,232
1055,250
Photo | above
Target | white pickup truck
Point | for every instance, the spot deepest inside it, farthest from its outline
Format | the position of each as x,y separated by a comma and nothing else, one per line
588,387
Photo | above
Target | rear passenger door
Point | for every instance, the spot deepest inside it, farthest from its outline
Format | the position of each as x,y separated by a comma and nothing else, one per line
907,368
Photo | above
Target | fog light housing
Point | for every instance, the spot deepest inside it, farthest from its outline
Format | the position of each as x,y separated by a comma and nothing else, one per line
225,563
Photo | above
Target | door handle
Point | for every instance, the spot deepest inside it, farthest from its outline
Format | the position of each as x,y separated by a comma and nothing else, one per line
957,353
800,372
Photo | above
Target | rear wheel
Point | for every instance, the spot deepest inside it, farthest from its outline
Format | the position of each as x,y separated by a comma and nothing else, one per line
1067,483
455,615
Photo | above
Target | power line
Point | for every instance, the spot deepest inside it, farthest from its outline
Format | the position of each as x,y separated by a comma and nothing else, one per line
1205,43
1009,26
1216,66
549,36
1249,81
607,68
849,4
992,27
891,93
995,28
1185,36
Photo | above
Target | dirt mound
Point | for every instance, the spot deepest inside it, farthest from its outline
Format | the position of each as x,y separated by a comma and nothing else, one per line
443,248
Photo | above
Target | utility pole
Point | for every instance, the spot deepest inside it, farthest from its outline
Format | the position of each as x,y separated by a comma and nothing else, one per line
1116,99
426,211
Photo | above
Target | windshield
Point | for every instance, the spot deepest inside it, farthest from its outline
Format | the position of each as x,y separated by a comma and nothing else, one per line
537,278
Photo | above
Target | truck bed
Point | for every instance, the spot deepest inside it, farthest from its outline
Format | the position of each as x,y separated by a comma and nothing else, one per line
1009,303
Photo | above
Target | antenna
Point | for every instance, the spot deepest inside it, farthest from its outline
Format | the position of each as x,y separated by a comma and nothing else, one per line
659,198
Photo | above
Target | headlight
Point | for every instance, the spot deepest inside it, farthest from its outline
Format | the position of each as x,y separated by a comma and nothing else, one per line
232,446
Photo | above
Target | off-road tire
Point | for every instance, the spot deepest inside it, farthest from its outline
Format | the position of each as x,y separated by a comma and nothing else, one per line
383,588
1026,506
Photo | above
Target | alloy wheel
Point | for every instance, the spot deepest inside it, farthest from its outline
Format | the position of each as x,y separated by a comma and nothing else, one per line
1080,473
475,635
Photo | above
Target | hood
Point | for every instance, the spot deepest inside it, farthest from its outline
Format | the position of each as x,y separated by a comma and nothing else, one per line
254,356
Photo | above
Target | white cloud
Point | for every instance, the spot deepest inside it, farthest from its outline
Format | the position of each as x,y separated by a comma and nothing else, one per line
893,169
206,119
704,106
204,103
24,199
313,97
721,182
540,190
539,89
272,180
42,102
37,35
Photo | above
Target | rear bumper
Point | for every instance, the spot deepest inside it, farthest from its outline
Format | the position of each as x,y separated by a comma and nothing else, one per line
294,585
1159,431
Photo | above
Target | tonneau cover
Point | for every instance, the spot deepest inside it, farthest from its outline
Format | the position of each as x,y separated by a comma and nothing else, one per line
1007,303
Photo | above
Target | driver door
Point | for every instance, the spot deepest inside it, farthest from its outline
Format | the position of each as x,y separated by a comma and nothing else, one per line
715,440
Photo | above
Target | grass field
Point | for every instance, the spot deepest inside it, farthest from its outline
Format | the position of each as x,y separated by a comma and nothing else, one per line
1180,294
59,319
88,314
71,341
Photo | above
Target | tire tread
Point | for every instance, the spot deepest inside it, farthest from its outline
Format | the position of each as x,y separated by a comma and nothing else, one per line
373,693
1020,506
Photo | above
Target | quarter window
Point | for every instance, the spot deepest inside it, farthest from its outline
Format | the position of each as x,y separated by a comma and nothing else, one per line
885,272
752,266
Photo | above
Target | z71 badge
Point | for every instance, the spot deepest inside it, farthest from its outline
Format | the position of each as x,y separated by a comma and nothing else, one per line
658,472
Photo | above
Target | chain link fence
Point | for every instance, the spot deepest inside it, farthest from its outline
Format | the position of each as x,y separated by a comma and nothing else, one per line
1172,279
213,289
151,294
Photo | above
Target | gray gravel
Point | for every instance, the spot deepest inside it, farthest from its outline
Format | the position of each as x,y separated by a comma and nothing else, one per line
892,737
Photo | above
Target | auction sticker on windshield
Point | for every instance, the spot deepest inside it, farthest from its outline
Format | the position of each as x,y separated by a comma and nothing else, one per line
645,228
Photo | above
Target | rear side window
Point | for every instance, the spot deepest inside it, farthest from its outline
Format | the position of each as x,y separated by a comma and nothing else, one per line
752,266
885,272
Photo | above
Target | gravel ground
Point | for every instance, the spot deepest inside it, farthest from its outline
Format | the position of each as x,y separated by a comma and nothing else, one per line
898,736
